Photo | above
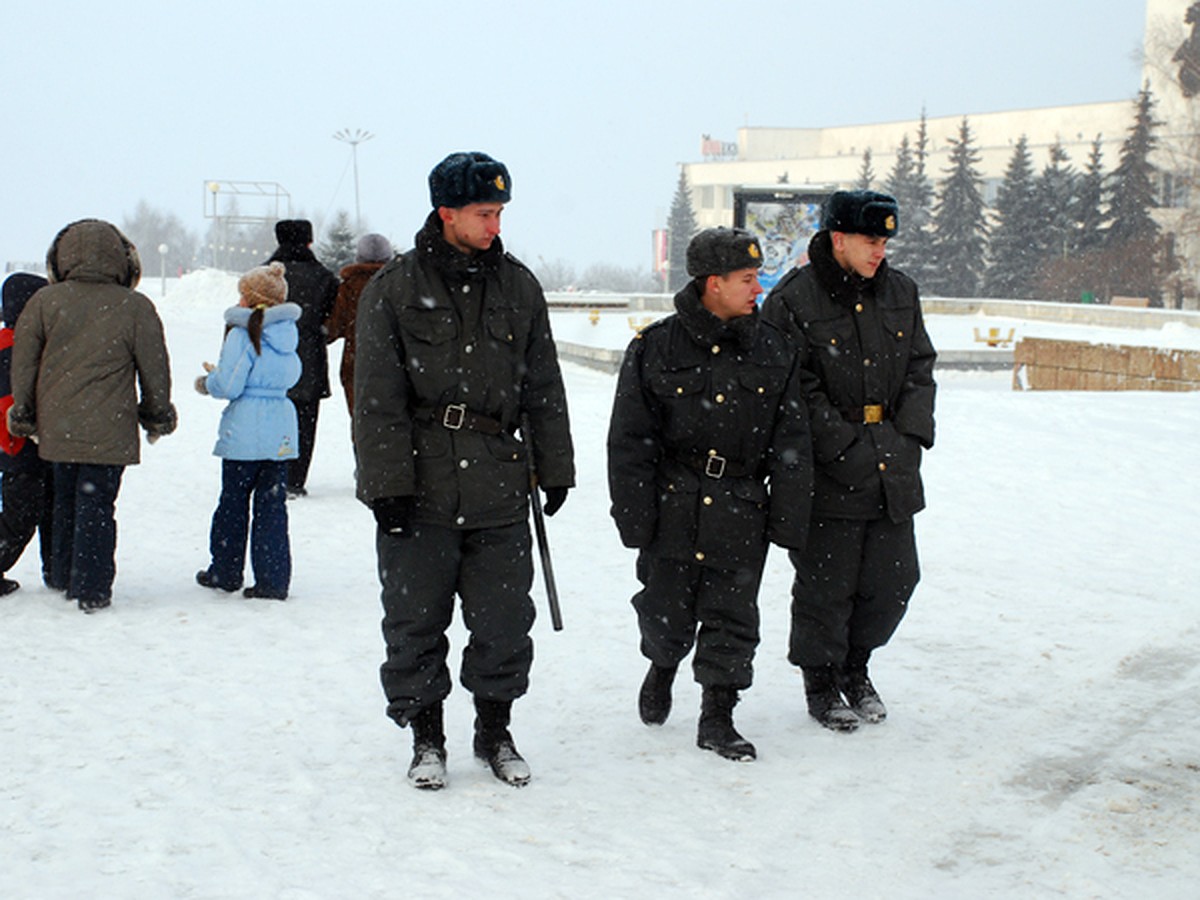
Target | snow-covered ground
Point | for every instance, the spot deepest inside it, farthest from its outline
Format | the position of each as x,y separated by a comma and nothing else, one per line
1044,736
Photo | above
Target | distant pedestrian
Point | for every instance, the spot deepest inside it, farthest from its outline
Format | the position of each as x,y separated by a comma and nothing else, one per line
868,368
257,437
85,348
371,252
26,483
313,288
709,459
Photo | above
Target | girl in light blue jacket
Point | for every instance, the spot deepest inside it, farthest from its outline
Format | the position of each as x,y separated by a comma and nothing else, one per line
257,436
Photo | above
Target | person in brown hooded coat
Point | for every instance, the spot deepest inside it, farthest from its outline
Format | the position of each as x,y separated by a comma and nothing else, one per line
89,366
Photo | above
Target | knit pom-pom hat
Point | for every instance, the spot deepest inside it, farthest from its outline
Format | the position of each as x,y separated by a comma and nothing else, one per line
264,285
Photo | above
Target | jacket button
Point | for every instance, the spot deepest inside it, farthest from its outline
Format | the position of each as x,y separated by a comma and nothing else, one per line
899,334
858,307
716,348
720,398
679,390
883,467
470,348
708,501
462,463
833,341
699,555
760,390
866,362
466,289
459,520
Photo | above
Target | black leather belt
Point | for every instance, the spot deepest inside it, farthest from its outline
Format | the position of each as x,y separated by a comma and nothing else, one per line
715,466
456,416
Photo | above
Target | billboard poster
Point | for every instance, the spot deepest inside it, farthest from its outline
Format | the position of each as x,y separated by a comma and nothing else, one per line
783,222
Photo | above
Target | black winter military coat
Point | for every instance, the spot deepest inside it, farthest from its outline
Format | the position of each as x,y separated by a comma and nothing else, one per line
313,288
709,451
861,342
437,328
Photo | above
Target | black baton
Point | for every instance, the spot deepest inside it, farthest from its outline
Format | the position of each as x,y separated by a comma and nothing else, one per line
539,527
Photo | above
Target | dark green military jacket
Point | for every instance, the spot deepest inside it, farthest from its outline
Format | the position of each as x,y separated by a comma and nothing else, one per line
861,343
709,451
447,346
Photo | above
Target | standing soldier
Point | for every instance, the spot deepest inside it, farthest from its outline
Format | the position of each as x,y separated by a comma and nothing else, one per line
868,370
709,458
454,348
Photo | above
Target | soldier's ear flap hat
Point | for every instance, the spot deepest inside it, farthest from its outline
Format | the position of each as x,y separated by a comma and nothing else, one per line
464,178
861,212
294,231
717,251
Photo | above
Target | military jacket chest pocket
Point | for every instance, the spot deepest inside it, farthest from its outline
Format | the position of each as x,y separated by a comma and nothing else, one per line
429,325
898,323
764,382
676,384
831,337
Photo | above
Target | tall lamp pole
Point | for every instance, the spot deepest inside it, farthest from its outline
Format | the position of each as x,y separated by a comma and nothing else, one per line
354,138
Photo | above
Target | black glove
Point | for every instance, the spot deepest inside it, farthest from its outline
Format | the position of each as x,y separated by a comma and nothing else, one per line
555,498
394,514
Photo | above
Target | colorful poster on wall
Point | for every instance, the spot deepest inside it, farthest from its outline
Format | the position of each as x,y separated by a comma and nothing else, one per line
783,222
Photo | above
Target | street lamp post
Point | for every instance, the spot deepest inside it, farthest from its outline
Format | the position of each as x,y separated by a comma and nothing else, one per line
162,267
354,138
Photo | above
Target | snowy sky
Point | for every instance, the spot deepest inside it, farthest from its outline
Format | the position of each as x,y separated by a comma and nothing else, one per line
592,108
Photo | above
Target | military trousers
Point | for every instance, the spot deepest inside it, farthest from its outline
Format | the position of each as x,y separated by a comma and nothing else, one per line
684,604
422,574
852,586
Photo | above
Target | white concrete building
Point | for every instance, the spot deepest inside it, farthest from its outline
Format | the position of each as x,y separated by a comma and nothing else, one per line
831,158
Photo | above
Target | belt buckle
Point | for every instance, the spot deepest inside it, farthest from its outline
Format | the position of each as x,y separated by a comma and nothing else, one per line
715,467
873,414
454,416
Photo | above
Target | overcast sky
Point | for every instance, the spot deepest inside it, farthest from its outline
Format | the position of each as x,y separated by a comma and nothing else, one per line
591,106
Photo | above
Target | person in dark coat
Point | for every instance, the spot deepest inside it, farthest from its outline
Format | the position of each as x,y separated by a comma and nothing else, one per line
313,288
89,366
868,368
370,254
709,459
454,352
26,483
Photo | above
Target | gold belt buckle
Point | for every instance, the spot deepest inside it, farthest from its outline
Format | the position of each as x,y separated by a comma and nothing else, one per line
873,415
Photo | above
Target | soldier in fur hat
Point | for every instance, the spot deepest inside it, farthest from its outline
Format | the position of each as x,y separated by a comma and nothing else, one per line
709,459
868,367
454,350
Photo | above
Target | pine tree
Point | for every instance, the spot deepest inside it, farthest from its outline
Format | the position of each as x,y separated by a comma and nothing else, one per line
901,184
1133,179
1056,195
959,229
681,226
866,174
1013,247
338,248
1090,218
915,254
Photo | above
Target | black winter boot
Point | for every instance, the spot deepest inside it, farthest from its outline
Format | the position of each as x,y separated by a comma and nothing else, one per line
654,699
428,768
716,732
857,688
825,703
494,745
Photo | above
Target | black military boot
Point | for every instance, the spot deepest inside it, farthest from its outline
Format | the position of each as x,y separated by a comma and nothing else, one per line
494,745
857,688
428,768
825,703
654,699
715,731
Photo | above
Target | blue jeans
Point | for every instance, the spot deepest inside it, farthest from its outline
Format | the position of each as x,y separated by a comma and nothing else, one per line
85,529
270,550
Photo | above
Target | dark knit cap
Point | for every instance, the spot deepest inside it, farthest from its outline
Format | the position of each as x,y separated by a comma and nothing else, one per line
464,178
294,231
718,251
861,212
